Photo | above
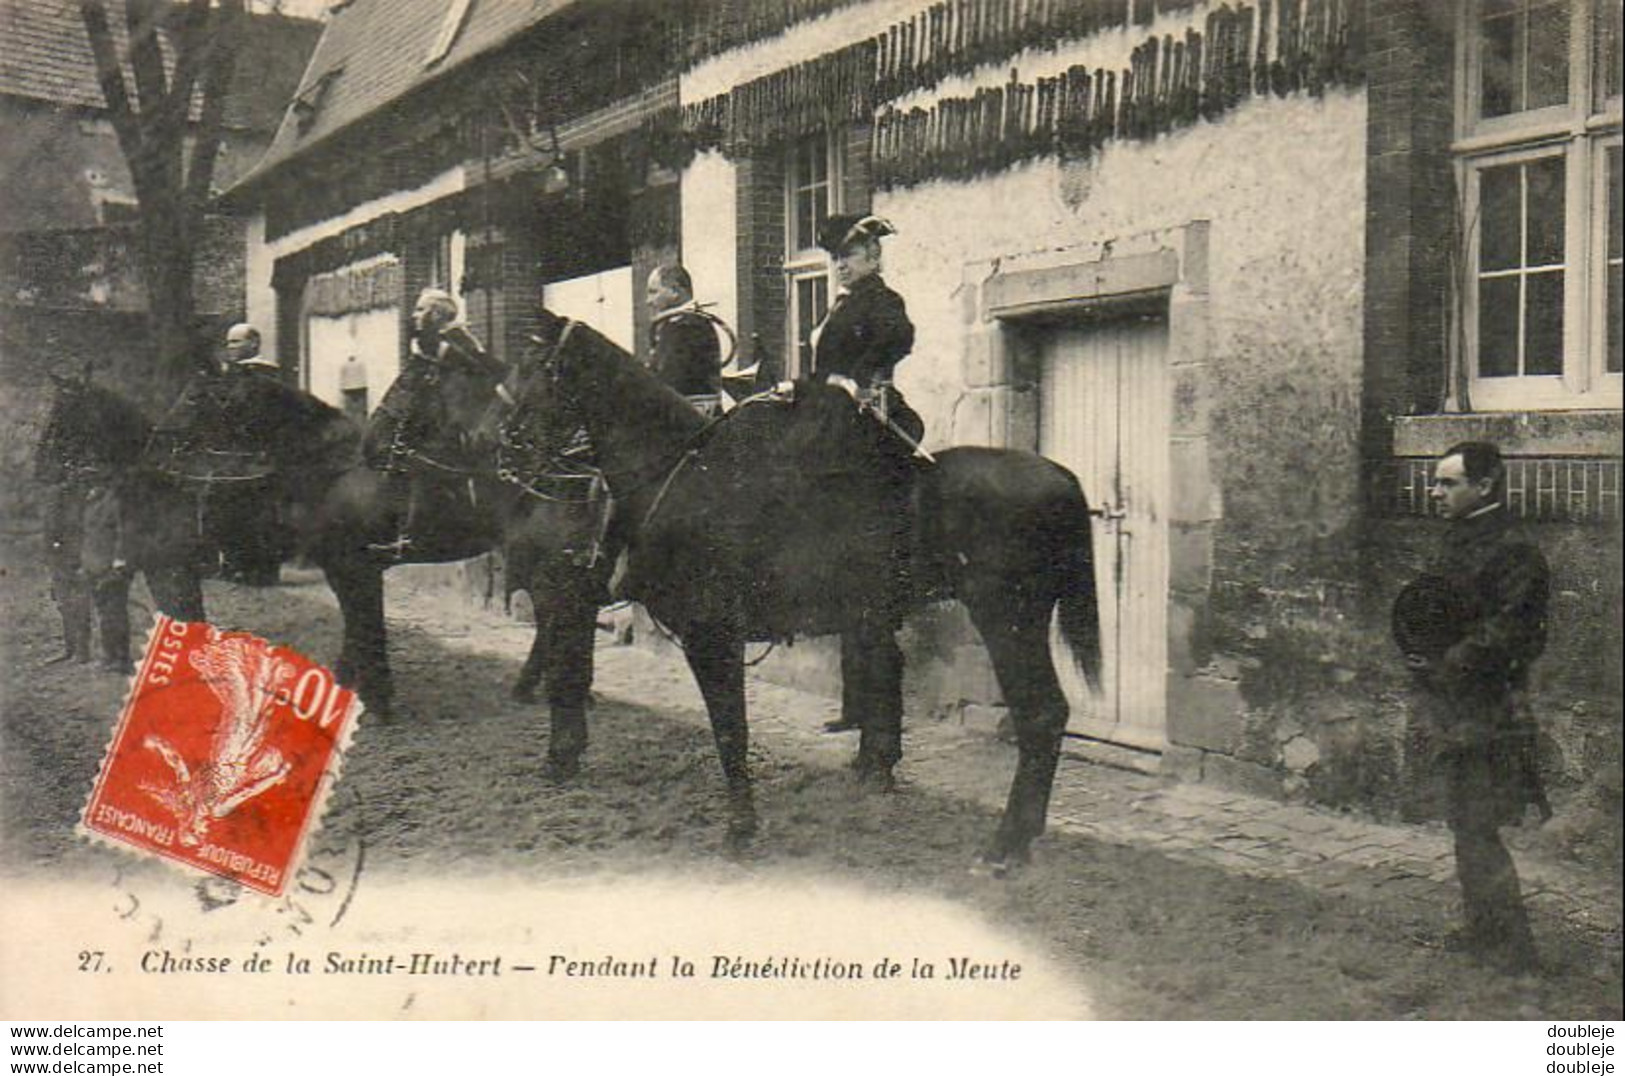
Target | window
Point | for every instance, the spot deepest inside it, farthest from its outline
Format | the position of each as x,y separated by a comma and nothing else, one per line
1538,145
812,193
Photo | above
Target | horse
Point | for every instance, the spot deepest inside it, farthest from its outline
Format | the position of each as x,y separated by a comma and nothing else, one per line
1005,532
345,517
464,491
91,428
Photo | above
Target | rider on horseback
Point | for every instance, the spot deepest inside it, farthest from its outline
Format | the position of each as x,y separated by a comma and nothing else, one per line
856,347
411,435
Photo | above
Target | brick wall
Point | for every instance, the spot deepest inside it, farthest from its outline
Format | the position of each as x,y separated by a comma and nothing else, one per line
1410,208
761,256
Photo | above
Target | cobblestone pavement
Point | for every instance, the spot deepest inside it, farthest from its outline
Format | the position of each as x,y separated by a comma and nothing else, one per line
1392,864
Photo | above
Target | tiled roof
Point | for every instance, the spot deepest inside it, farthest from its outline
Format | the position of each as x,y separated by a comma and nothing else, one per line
374,52
45,55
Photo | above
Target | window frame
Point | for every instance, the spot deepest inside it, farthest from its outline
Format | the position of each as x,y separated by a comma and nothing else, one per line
803,259
1579,132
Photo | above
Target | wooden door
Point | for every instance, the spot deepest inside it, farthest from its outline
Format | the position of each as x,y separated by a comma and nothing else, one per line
1104,416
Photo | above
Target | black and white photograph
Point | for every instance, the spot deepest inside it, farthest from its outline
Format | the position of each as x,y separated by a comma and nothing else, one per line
843,510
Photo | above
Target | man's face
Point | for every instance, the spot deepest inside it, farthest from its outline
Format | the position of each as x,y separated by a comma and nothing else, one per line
856,262
661,295
241,343
1456,495
431,313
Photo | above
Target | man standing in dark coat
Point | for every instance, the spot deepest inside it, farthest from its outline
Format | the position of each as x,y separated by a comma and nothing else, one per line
1495,582
684,351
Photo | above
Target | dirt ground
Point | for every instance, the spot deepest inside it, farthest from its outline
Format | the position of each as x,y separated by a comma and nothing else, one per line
453,785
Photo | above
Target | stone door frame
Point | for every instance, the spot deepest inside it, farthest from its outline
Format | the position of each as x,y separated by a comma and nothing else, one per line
1005,300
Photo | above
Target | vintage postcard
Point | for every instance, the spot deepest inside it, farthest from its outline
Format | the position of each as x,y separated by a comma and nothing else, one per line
829,509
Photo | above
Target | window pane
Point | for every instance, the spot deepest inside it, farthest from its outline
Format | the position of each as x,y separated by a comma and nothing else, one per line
1543,323
1612,208
1498,327
1523,55
1607,65
1547,64
1496,45
812,302
1500,218
804,230
1615,365
1545,178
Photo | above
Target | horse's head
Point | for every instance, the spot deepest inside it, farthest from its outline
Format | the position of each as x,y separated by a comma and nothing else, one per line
547,418
88,428
581,381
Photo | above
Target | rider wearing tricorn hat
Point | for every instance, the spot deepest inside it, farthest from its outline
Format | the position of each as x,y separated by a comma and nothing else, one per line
867,331
856,348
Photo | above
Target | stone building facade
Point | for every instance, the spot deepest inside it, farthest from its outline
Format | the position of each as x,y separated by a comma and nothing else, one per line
1244,268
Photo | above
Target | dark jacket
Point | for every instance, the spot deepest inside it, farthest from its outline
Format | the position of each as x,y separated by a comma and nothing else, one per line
685,352
1505,585
866,334
1483,733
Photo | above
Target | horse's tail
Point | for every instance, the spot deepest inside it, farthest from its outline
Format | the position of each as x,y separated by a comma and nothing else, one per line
1078,611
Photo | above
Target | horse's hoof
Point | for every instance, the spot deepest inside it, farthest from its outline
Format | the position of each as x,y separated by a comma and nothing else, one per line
524,692
741,836
999,865
877,780
559,771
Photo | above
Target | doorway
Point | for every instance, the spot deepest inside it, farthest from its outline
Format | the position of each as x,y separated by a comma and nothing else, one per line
1104,415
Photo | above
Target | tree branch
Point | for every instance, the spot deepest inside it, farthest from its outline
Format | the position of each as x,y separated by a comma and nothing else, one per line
191,47
218,64
110,75
141,19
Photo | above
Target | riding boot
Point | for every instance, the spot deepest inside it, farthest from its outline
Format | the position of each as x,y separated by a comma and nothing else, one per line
878,696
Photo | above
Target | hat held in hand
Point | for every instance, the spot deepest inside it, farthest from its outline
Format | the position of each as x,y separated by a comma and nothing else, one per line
1429,617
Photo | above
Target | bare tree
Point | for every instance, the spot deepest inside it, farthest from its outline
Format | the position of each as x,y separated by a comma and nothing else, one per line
171,157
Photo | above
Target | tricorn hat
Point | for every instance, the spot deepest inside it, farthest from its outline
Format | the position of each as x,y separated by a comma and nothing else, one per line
1429,617
841,231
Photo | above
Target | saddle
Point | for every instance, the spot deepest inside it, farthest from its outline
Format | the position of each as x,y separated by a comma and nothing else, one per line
806,501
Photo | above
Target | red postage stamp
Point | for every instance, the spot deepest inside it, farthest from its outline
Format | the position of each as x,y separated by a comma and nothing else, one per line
223,754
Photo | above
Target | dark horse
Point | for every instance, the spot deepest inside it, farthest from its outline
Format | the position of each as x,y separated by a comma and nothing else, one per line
92,427
348,519
721,555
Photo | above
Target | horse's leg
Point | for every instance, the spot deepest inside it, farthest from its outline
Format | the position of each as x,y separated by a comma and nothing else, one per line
567,648
530,674
364,659
1017,639
872,695
717,658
